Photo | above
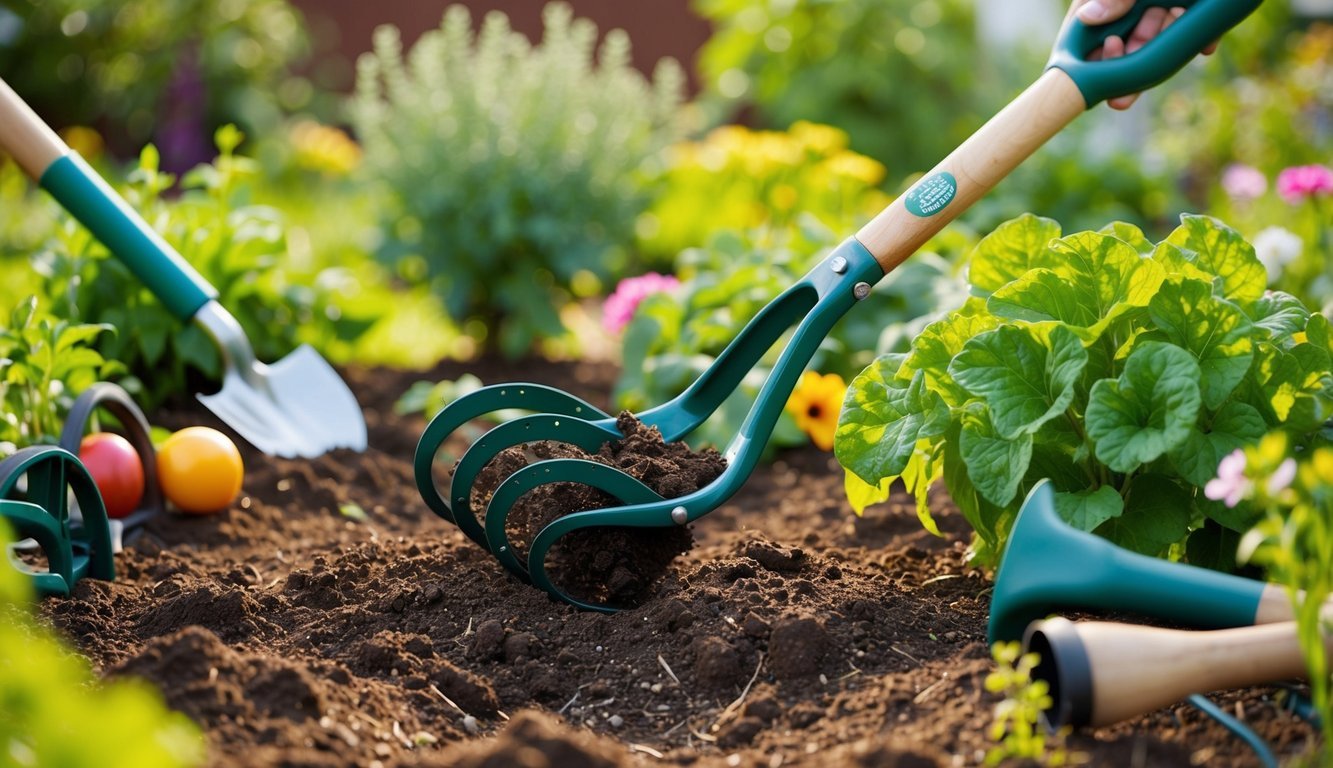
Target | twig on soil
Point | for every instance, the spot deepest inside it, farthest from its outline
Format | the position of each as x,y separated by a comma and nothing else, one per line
900,651
667,667
853,673
436,690
646,750
372,721
944,577
675,728
735,705
502,715
402,737
704,736
920,697
572,699
603,702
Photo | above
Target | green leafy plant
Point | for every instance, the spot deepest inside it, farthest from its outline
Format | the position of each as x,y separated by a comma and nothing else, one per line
52,712
886,71
240,248
1120,369
1017,727
1293,540
45,363
511,174
1235,146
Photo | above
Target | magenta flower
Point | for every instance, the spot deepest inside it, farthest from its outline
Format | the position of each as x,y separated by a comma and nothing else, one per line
1244,182
1230,485
1304,181
620,305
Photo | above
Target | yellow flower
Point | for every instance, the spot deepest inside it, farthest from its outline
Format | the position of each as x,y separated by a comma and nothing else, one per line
324,148
815,404
821,139
86,141
848,164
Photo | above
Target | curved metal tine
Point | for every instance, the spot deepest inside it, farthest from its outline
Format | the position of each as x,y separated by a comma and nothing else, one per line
561,428
523,396
823,297
685,412
628,489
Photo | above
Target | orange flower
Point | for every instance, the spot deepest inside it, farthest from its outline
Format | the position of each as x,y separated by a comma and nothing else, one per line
816,404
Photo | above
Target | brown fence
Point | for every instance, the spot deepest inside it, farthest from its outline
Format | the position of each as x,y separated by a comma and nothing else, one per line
656,28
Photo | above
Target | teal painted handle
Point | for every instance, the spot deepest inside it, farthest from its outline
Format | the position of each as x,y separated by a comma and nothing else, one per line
1203,23
112,221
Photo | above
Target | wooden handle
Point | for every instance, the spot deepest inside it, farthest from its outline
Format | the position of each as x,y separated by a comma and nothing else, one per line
967,174
1137,669
23,134
1275,606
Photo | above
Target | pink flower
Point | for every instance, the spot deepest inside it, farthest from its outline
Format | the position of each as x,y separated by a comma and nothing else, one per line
1282,477
620,305
1304,181
1244,182
1230,485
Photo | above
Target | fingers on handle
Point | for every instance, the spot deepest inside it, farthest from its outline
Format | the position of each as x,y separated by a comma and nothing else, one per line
1103,11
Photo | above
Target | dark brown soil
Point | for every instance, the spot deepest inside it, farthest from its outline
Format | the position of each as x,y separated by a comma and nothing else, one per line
792,633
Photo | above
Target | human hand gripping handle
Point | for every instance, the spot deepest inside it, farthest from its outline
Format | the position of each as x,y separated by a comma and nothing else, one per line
1070,85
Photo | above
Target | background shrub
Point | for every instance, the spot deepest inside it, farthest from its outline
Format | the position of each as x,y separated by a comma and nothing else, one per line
510,173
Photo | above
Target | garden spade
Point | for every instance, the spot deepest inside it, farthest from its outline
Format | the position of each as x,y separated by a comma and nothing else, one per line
298,406
1072,83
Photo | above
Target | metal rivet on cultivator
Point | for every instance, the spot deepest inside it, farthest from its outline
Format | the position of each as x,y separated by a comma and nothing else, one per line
1071,85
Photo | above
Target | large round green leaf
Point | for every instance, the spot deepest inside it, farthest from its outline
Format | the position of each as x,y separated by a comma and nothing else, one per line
1148,411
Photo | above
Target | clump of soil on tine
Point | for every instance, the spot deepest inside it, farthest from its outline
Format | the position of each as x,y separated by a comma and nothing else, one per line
610,565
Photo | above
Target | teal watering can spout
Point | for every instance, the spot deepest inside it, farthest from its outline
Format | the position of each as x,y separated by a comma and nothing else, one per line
1049,566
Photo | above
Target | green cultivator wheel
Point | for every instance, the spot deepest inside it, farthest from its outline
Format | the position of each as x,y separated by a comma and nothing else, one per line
54,475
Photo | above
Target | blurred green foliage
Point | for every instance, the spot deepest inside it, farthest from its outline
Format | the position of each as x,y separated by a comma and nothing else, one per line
45,362
510,173
53,713
238,247
1265,106
167,71
900,76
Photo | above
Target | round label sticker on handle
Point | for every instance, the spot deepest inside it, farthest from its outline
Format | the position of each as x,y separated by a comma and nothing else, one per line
932,195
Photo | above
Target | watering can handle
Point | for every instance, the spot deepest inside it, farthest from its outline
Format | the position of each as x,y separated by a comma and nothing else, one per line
1203,23
76,186
1040,112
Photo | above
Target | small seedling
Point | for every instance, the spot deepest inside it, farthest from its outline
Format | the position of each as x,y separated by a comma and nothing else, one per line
1018,728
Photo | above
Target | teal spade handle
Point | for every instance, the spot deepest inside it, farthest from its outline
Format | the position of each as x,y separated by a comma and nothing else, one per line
77,187
1203,23
82,192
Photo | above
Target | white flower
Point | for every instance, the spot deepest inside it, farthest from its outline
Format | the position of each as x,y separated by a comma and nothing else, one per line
1276,248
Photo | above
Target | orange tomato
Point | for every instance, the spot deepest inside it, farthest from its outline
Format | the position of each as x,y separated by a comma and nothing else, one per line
116,469
200,470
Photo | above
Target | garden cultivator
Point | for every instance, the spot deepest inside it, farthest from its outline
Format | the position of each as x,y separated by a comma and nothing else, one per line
1071,84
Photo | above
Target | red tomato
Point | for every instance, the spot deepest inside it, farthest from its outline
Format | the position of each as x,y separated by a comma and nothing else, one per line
115,467
200,470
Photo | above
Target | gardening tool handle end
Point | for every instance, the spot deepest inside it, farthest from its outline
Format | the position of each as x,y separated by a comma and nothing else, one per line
1202,24
31,142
